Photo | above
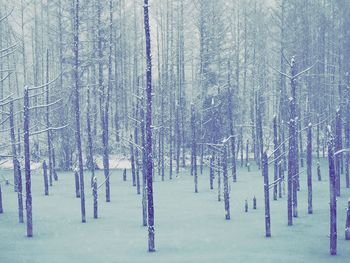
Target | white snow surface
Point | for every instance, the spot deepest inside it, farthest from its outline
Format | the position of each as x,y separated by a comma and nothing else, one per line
189,227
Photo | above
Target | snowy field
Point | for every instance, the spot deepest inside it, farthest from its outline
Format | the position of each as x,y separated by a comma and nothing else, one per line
189,227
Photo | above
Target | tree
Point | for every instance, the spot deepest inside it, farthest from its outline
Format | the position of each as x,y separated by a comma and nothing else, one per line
76,90
148,152
333,194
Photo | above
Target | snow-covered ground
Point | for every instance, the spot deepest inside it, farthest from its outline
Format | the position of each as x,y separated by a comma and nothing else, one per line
189,227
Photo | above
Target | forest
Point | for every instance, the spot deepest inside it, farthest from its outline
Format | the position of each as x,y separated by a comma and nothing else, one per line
174,131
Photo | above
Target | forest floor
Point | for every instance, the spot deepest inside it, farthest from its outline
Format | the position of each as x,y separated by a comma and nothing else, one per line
189,227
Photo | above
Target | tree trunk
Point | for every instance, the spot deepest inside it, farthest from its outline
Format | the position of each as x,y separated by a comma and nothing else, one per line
292,154
211,172
144,171
149,163
226,185
132,160
47,119
95,195
46,185
309,168
265,170
27,163
338,146
77,187
1,207
194,149
77,106
333,197
347,225
16,166
276,159
219,178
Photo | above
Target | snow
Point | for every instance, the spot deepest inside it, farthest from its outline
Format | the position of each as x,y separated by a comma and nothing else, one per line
115,162
189,227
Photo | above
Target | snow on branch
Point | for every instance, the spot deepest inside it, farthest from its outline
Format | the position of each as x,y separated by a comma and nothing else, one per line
45,105
49,129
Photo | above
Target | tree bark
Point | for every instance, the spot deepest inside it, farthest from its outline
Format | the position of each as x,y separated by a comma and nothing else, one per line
265,170
226,185
276,155
309,168
333,197
149,163
27,164
347,225
46,185
77,105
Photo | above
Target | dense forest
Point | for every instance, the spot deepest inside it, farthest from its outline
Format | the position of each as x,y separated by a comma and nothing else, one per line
165,89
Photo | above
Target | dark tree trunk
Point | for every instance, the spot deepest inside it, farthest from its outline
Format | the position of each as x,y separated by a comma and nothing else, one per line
95,195
292,154
1,207
259,130
233,158
301,145
124,175
265,170
247,153
171,138
309,168
276,159
211,172
47,119
319,172
13,144
144,171
194,149
347,225
132,159
230,117
333,197
318,139
77,187
137,161
77,105
90,161
16,166
226,184
338,146
46,185
219,179
242,147
149,163
281,179
178,138
27,164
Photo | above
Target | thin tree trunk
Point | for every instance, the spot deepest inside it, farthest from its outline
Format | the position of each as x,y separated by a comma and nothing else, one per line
149,163
226,184
16,166
265,170
219,179
77,105
46,185
347,225
309,168
333,197
276,157
211,171
47,117
27,163
338,146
